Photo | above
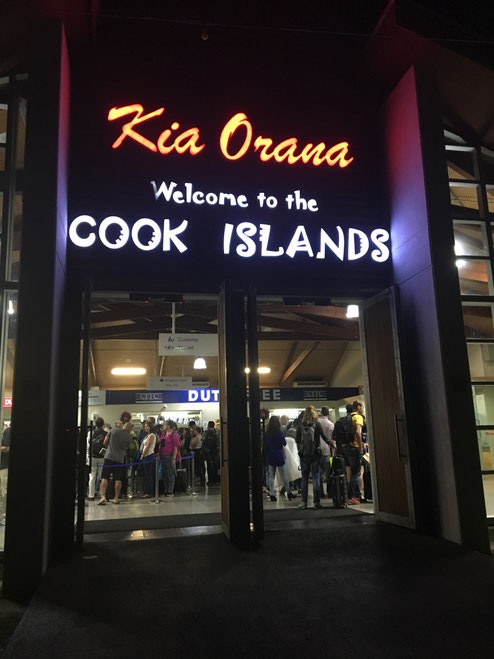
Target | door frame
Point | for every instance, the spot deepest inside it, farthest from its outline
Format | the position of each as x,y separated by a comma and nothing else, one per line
402,439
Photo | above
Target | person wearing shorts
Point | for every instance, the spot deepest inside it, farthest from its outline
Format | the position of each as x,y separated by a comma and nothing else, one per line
117,441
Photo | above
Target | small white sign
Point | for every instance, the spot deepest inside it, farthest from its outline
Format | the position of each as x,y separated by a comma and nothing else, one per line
168,383
198,345
94,397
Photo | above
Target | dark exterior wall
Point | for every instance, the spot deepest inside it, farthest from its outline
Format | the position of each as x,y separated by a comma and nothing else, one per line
440,410
42,289
436,507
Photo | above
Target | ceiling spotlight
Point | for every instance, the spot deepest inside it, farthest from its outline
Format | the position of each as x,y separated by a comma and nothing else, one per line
352,311
263,370
128,371
200,363
247,369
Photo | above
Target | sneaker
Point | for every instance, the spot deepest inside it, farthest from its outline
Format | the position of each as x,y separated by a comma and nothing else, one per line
272,498
291,496
302,506
168,495
317,506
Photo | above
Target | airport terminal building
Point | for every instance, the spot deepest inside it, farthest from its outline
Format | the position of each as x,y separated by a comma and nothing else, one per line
241,190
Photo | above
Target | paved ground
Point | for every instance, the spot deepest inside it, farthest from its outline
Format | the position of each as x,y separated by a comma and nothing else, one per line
348,588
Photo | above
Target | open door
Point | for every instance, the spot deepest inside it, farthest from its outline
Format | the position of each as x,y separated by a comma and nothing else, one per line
385,410
235,449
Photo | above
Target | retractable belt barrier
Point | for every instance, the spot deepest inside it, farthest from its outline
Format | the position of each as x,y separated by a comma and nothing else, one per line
157,459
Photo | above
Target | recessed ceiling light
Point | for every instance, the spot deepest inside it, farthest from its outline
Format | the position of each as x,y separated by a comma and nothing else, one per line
128,371
352,311
200,363
263,369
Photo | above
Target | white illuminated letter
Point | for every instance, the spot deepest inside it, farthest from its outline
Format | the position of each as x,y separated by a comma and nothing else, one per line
264,231
163,190
326,241
74,236
354,234
155,238
244,230
170,236
227,238
299,243
379,237
193,395
122,238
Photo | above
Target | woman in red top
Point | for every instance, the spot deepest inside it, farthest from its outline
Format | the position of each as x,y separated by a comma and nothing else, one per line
169,448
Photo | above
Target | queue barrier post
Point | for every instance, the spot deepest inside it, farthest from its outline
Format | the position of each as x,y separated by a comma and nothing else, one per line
156,478
193,470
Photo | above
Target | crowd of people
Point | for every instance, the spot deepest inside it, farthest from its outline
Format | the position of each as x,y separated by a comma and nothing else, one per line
120,452
295,453
298,451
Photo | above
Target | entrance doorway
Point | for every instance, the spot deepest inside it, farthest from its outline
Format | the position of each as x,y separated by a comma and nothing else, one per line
273,356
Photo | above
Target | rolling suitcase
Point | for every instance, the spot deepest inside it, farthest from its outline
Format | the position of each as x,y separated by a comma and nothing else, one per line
338,482
180,481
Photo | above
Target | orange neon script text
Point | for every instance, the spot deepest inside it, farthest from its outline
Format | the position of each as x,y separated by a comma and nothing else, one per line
288,150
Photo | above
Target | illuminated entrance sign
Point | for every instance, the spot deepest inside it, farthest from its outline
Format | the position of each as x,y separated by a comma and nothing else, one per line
246,239
171,139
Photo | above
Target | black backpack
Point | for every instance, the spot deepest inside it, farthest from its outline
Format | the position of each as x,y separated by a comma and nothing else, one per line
97,443
342,432
307,447
210,441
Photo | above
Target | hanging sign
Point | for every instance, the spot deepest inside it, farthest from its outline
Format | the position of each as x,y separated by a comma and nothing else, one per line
168,383
182,345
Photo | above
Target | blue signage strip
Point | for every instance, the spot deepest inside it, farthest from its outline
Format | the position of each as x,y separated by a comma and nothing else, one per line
197,396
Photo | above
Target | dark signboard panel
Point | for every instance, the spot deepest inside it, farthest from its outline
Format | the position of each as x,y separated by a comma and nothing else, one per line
239,159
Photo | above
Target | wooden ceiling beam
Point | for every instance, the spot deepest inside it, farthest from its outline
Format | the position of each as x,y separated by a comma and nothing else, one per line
183,325
296,362
312,330
307,309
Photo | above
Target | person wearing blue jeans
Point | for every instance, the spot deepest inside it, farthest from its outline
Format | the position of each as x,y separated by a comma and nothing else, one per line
309,436
308,466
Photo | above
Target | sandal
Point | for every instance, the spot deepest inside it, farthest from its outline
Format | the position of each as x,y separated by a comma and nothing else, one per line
101,502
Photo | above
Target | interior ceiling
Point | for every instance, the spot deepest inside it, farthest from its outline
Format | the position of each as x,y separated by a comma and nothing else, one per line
298,342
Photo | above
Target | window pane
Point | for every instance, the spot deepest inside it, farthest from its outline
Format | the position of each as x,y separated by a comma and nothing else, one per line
488,480
464,195
478,321
3,134
21,134
7,367
15,252
481,360
461,163
475,277
483,402
487,157
486,449
490,198
470,239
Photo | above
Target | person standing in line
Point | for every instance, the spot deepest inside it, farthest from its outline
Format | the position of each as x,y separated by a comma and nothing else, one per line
197,456
352,451
292,458
95,447
169,452
309,434
275,441
284,420
211,452
148,446
4,471
117,441
327,447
